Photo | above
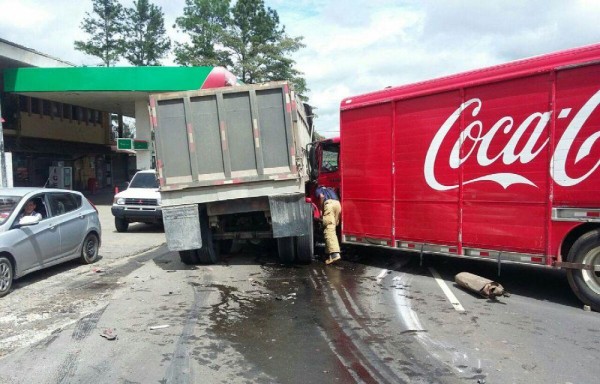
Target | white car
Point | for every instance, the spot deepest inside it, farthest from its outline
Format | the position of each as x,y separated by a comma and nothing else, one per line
140,202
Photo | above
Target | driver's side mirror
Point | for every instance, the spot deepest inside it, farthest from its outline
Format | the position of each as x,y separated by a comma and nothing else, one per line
29,220
313,161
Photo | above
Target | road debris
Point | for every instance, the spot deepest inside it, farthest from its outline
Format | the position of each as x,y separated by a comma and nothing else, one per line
109,333
485,287
152,328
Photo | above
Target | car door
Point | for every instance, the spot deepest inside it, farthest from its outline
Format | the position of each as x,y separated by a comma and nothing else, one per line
38,244
72,222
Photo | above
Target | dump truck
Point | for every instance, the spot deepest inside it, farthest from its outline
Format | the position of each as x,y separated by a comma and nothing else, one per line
232,164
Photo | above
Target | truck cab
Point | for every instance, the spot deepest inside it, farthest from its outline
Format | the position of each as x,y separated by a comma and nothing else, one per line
325,166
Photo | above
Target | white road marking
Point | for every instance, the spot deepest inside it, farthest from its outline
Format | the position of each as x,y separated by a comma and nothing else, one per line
453,300
381,275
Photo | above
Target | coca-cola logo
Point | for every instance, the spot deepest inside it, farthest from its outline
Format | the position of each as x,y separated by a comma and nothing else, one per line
474,142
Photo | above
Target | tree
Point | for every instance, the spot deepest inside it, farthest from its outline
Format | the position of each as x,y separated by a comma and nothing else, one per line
246,38
105,28
145,35
205,22
260,46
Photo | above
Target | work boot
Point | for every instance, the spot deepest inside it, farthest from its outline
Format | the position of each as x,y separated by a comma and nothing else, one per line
335,256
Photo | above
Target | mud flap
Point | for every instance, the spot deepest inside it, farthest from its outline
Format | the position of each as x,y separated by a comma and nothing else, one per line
182,227
290,215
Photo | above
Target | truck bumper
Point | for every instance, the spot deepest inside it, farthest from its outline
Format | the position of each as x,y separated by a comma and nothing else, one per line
141,214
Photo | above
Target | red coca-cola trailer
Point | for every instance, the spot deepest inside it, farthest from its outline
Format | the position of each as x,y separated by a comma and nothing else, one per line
500,164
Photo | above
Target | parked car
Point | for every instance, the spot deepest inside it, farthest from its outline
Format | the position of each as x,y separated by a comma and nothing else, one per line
140,202
66,228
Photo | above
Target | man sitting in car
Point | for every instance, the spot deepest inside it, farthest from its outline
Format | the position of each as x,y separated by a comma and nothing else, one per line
29,210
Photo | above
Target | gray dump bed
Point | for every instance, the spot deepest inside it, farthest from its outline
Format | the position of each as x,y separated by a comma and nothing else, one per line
227,143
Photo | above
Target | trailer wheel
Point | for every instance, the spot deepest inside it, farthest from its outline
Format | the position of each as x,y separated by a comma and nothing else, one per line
189,257
286,250
305,247
586,284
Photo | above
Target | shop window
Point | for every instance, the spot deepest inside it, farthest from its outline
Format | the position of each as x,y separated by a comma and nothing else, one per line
66,111
55,108
24,104
35,105
77,113
10,110
99,117
47,107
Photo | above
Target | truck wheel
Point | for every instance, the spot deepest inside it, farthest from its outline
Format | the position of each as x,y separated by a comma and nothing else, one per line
305,247
586,284
207,253
286,250
6,276
121,224
189,257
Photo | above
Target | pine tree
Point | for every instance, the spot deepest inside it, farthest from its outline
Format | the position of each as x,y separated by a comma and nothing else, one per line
205,22
145,35
246,38
260,45
105,27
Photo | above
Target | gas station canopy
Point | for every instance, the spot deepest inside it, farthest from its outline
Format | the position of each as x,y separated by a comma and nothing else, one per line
111,89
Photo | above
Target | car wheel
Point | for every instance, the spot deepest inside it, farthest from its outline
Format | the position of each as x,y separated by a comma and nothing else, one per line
89,251
6,275
121,224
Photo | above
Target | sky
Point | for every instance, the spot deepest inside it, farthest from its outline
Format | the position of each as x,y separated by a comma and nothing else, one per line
356,46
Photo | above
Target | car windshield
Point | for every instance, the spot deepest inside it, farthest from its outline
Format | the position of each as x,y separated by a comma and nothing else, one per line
7,205
144,180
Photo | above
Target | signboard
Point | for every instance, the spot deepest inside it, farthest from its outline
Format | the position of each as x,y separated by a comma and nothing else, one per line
124,143
131,144
140,145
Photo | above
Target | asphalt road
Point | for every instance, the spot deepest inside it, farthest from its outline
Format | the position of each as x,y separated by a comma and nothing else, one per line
375,317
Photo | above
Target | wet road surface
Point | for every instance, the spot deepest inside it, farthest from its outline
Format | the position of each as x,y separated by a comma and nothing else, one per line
375,317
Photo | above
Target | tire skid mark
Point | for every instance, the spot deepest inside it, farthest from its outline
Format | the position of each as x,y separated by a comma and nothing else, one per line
87,324
180,369
343,348
67,369
83,328
412,322
348,365
349,343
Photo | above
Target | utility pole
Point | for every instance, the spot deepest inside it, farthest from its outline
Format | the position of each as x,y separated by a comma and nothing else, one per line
2,156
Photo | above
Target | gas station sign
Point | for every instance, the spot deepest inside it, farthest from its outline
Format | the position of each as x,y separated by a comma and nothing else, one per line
131,144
